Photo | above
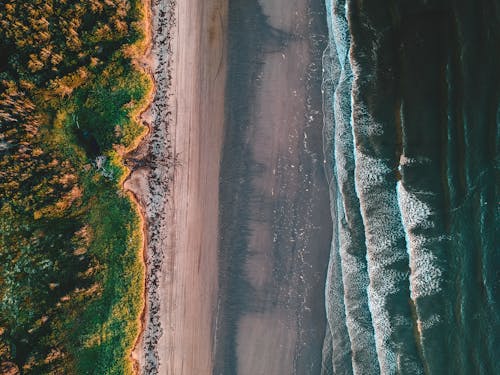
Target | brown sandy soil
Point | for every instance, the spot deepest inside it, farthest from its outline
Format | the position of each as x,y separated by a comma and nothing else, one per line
176,179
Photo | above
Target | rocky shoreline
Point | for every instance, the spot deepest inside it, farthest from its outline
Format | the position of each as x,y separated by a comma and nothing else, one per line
152,165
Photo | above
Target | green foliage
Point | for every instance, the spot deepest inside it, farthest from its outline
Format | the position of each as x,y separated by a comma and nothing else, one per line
111,99
70,267
109,329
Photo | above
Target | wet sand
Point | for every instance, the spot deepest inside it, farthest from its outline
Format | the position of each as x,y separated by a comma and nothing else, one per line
275,222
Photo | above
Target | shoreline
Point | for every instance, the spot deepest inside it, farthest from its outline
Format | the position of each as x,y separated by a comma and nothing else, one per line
174,178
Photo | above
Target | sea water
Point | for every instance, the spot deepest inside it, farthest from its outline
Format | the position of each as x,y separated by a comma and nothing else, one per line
411,104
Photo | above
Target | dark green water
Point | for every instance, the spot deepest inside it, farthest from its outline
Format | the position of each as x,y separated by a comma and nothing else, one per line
412,110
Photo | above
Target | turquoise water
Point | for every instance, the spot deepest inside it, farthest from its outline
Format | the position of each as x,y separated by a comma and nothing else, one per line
411,102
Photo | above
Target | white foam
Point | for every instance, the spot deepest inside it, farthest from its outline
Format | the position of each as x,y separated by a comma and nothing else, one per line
370,172
386,252
426,274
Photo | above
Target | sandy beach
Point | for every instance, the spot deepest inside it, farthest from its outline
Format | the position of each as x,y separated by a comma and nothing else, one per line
189,283
276,227
190,325
176,180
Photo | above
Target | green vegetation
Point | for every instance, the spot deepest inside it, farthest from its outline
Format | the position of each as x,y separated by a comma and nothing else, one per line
70,266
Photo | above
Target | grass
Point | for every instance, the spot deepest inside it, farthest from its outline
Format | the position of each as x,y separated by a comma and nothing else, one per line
71,270
108,328
107,107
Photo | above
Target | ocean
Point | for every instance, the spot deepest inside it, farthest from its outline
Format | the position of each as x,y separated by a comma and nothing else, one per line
411,108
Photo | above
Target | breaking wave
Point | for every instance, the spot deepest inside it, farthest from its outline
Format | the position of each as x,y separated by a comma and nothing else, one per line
411,137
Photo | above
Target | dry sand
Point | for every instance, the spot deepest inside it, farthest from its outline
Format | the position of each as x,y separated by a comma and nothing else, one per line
189,285
176,179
